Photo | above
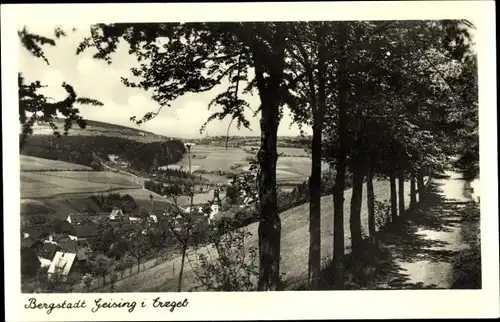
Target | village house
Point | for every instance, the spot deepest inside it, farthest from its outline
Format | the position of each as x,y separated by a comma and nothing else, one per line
113,157
55,238
78,218
83,232
62,263
82,250
116,214
46,254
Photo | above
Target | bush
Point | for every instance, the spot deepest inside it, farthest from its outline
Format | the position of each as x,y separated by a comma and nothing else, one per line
382,213
233,268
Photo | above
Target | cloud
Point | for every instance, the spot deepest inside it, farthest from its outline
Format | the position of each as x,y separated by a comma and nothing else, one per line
53,80
86,66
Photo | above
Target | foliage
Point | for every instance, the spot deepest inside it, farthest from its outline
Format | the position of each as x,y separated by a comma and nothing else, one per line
51,283
86,281
128,261
382,214
140,244
109,201
29,262
86,150
101,265
233,267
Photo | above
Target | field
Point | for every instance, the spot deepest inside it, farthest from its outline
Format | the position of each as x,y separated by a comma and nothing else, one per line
29,163
291,169
49,183
294,245
213,158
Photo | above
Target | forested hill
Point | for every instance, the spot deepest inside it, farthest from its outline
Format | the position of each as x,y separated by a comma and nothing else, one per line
83,150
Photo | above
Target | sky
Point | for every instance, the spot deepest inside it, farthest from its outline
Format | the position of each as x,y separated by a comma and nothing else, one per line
96,79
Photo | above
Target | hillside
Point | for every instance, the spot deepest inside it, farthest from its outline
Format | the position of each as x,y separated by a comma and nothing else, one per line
60,205
29,163
294,245
83,150
96,128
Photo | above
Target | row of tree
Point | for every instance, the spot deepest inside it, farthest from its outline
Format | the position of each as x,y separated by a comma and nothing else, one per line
382,98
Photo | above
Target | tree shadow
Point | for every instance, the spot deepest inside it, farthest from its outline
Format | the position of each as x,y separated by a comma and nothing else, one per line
415,237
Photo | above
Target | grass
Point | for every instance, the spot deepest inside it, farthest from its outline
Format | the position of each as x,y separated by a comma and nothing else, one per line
53,183
467,262
294,245
29,163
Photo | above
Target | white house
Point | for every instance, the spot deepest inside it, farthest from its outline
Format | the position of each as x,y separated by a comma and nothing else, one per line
153,218
134,219
44,262
113,157
78,218
116,213
62,263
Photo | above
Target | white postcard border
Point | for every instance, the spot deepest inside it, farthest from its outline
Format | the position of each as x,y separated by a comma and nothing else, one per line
270,305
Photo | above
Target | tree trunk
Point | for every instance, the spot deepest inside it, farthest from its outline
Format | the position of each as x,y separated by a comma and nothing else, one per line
413,192
270,96
370,201
339,185
401,192
356,199
181,271
315,212
315,179
394,201
421,186
138,265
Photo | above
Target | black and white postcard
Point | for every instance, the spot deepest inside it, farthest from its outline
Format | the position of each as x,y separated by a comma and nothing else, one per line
250,161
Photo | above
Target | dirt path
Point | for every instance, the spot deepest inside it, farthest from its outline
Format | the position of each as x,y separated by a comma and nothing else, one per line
420,255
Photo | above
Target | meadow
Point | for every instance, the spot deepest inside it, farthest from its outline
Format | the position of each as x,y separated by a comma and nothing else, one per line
50,183
293,167
29,163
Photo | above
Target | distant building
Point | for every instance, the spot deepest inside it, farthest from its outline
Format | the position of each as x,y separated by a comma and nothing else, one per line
56,238
79,247
113,157
78,218
116,214
83,232
46,254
